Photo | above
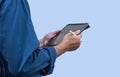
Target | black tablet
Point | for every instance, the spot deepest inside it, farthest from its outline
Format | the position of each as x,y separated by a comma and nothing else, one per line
67,28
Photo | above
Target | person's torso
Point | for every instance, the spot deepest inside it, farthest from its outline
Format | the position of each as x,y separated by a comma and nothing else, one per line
15,31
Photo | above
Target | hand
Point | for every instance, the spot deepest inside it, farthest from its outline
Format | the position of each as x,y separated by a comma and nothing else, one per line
69,43
48,38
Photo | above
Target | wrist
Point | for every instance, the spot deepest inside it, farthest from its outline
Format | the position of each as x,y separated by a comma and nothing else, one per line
60,50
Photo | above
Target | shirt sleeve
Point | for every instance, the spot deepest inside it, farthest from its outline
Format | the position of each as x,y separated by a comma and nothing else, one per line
41,60
0,1
19,43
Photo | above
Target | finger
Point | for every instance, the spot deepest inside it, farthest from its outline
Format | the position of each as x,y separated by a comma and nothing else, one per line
56,32
69,34
77,32
53,34
46,42
73,33
79,36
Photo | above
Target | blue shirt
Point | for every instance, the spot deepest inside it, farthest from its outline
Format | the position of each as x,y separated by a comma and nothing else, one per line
20,55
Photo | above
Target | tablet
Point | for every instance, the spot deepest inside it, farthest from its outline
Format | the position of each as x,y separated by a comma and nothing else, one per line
67,28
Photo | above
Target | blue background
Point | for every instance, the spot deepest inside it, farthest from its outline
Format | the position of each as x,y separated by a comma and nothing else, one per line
99,54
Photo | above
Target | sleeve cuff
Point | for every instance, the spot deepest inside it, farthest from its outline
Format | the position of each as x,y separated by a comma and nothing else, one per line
53,55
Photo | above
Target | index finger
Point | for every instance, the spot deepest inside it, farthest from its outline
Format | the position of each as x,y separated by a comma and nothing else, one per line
77,32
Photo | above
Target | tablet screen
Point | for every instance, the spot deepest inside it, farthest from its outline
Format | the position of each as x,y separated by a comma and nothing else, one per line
67,28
